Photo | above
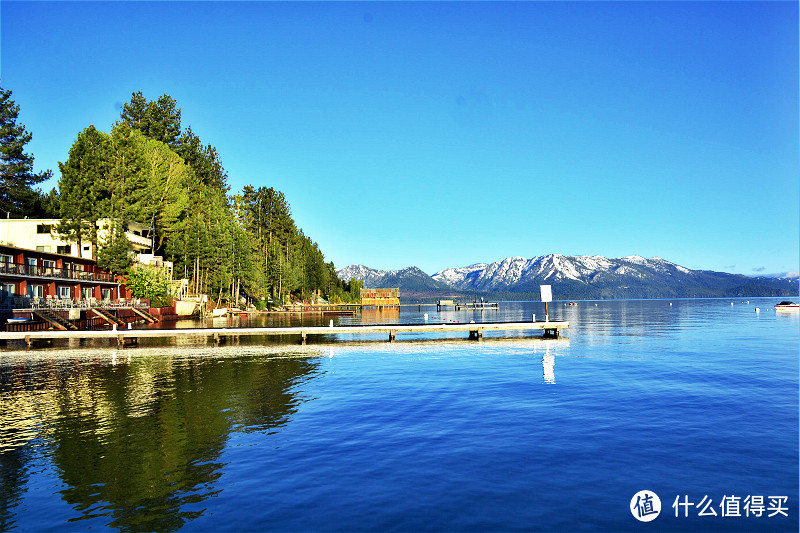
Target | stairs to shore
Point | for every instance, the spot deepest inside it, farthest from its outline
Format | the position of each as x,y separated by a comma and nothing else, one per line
54,319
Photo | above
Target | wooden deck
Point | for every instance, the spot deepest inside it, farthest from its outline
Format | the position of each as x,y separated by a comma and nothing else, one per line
130,336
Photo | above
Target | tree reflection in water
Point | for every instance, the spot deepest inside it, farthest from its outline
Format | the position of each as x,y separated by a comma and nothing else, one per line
136,438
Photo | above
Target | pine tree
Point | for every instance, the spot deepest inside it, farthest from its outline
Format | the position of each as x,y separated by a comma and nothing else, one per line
159,120
113,255
83,190
17,197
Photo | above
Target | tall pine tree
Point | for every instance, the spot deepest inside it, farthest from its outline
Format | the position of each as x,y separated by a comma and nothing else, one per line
17,196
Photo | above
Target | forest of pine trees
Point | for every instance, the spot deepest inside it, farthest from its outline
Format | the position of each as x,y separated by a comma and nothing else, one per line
150,170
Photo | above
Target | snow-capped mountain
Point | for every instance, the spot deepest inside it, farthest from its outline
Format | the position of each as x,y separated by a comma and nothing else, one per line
408,279
576,277
518,273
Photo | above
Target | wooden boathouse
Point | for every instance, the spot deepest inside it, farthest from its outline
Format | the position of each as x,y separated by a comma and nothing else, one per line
380,298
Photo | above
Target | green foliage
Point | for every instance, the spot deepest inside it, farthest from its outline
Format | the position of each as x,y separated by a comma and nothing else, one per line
146,170
17,196
150,282
159,120
113,254
82,186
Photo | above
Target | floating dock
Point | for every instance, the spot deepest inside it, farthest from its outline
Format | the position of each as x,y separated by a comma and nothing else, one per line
130,336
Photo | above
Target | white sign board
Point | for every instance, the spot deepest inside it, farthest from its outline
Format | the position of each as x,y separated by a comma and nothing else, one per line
547,293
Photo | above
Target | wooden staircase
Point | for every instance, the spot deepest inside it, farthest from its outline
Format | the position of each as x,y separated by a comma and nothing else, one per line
145,314
54,319
108,316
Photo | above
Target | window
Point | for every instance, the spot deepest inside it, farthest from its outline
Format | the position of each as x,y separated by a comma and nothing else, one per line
48,263
85,248
87,293
42,248
31,261
64,292
44,228
35,291
6,258
106,293
66,250
7,291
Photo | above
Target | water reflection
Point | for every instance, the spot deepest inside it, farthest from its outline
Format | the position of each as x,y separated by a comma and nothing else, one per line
136,439
548,366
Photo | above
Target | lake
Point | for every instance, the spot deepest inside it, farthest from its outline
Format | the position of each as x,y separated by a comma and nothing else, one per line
695,401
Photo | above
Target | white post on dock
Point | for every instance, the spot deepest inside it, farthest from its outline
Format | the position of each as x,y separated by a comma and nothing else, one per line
547,297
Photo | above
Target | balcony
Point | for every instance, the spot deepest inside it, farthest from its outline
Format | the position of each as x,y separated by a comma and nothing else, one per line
137,241
42,272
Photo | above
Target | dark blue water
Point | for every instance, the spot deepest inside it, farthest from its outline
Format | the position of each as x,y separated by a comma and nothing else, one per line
695,399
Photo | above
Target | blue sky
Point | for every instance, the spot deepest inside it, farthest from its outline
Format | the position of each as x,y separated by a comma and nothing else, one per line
444,134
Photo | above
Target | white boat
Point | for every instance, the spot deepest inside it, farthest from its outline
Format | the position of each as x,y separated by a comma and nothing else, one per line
16,320
787,306
219,311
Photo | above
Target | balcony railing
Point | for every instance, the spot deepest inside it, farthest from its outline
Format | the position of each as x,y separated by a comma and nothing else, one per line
18,269
145,242
28,302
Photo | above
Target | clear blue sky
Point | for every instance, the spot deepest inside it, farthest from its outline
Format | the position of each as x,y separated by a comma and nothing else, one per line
444,134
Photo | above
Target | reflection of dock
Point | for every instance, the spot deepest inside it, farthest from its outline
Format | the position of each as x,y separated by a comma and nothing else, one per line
131,336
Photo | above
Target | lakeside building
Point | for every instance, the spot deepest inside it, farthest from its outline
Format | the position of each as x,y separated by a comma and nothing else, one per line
27,275
37,263
40,234
380,297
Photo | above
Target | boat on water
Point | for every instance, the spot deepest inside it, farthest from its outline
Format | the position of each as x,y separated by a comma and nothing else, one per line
787,306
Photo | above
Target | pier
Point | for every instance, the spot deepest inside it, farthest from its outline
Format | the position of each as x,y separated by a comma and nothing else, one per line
127,337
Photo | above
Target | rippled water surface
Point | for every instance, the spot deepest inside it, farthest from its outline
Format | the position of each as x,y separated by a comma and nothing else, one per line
437,433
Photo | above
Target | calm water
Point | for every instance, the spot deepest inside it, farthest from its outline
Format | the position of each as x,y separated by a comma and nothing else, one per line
698,399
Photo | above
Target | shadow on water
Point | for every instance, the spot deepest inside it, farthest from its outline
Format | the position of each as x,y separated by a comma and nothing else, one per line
135,440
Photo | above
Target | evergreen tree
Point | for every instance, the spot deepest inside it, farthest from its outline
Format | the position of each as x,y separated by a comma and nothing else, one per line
82,186
47,205
17,197
114,255
159,120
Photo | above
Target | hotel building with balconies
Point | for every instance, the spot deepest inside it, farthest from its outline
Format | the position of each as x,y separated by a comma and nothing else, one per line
36,262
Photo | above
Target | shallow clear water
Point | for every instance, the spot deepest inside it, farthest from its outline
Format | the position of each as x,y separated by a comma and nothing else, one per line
433,433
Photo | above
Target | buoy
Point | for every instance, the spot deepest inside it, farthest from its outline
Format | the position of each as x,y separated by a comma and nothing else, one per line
758,310
670,304
731,303
425,316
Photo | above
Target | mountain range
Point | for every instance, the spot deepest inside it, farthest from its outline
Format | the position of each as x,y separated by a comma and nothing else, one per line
573,277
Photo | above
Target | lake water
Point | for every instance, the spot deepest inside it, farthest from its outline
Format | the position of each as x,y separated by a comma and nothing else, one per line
697,400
